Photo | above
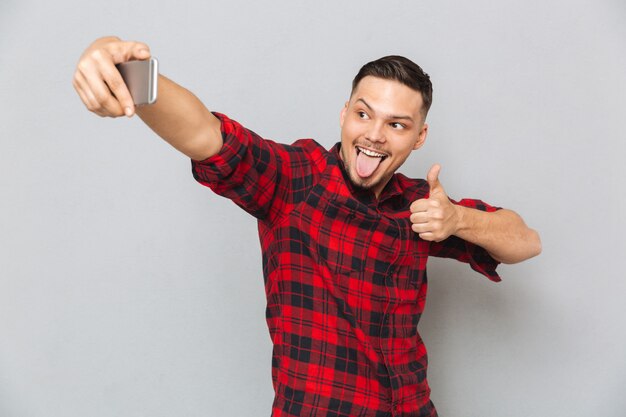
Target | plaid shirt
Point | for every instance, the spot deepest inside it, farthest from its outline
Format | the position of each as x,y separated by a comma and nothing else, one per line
345,276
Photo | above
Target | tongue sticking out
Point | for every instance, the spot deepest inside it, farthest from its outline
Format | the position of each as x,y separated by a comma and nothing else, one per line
366,165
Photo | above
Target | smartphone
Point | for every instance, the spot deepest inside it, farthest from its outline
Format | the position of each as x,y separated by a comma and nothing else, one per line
141,79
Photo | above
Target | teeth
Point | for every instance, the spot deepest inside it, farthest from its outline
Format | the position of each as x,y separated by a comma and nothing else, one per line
371,153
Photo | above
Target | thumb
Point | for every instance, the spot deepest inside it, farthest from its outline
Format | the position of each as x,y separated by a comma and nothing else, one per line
141,51
433,177
129,51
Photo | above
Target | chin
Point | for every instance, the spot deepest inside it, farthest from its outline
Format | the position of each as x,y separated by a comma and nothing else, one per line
371,184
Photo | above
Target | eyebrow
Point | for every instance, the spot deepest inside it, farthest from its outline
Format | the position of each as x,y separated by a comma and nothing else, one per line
388,116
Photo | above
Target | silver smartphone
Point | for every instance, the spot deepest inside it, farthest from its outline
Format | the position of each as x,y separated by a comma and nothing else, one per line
141,78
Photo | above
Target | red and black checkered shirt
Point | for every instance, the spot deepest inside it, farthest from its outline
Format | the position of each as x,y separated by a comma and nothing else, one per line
345,276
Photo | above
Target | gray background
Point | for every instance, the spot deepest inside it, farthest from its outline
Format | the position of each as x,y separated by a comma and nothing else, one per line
127,289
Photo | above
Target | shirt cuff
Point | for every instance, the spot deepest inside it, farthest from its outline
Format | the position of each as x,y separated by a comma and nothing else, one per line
479,258
224,163
481,261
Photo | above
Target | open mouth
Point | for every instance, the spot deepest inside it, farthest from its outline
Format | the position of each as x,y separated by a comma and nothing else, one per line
367,161
370,153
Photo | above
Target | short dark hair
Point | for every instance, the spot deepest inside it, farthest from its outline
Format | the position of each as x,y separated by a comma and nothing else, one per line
403,70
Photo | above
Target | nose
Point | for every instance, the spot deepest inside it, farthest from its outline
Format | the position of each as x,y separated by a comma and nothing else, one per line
375,133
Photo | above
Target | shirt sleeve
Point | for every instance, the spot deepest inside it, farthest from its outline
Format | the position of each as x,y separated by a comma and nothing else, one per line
477,257
255,173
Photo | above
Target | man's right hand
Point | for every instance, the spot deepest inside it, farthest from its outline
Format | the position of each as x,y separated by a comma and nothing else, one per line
179,117
98,82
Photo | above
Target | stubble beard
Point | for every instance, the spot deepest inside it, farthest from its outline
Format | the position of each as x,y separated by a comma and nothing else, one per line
358,182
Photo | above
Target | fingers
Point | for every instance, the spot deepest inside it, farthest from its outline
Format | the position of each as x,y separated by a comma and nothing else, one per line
91,87
122,52
107,103
81,87
432,215
98,82
427,219
421,228
89,98
420,217
115,84
426,234
433,218
429,236
125,51
423,204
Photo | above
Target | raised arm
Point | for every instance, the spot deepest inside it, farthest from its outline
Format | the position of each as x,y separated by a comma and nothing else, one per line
178,116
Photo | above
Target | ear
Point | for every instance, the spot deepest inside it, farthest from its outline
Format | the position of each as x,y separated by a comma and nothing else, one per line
342,116
422,137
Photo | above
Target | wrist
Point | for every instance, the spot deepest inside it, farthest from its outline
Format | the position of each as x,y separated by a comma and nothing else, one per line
460,219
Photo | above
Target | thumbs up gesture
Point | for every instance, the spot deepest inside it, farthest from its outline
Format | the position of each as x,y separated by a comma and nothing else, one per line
434,218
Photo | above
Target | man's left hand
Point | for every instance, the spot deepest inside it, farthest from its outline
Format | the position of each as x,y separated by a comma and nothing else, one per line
434,218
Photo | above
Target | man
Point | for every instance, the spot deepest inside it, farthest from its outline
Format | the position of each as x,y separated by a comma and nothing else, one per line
345,239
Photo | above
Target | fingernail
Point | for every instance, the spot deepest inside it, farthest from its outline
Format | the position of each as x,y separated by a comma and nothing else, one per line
144,52
128,111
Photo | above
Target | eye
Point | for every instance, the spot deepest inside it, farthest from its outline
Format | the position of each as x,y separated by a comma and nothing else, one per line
362,115
397,125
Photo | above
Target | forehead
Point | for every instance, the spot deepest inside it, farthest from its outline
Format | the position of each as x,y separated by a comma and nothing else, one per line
388,96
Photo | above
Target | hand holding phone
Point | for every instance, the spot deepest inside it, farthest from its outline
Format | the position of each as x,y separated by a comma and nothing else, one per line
141,78
101,87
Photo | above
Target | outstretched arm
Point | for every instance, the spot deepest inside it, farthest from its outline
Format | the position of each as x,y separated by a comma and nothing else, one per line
178,116
502,233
